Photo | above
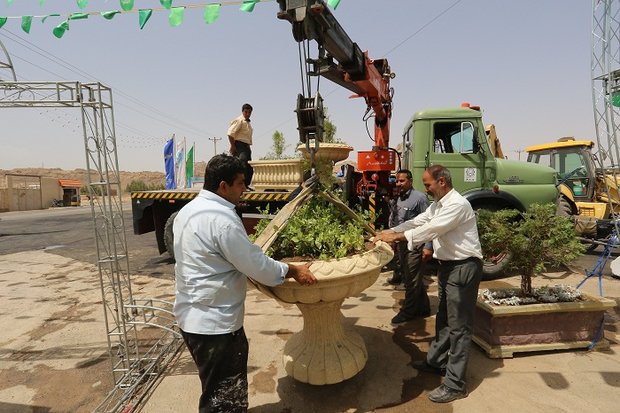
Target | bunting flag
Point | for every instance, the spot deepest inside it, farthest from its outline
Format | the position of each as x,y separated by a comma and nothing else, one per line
143,16
211,14
189,166
169,163
26,22
176,16
333,3
179,164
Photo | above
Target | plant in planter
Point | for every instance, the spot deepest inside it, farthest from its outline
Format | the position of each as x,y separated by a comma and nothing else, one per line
317,226
530,319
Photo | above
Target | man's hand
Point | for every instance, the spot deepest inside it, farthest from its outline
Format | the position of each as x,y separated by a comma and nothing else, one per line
233,149
427,254
301,274
389,236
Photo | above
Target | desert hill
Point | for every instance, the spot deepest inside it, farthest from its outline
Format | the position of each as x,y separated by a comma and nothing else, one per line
150,178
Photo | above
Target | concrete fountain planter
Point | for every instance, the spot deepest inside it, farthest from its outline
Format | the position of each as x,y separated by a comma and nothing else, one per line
277,174
325,351
332,151
504,330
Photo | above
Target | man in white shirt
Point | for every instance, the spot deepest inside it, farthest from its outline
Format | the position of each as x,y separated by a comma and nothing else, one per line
213,255
450,223
240,138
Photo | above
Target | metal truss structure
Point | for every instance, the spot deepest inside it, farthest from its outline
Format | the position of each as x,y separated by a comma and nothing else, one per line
605,66
142,334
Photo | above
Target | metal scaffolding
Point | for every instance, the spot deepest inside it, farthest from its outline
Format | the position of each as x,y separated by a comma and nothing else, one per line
605,67
138,355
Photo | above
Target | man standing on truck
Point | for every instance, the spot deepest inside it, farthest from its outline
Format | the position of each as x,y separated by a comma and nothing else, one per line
409,204
240,138
213,258
450,223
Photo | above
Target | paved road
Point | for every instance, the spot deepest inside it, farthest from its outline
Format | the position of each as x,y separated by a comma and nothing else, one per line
69,232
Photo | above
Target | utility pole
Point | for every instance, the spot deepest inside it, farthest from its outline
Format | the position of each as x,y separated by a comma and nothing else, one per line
519,151
214,139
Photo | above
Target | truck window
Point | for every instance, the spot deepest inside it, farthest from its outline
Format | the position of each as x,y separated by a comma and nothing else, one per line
453,137
541,158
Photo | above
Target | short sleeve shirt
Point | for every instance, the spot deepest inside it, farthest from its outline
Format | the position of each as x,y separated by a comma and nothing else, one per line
241,130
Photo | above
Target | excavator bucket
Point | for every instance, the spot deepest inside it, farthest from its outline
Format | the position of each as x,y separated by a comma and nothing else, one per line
494,144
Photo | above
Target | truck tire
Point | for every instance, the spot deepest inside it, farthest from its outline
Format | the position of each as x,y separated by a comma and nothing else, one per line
564,209
169,235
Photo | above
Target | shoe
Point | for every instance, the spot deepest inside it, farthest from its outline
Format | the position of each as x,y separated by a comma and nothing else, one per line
400,287
444,394
400,318
249,189
422,365
394,281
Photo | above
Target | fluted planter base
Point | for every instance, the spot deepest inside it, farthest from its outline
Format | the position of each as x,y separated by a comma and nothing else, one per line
324,352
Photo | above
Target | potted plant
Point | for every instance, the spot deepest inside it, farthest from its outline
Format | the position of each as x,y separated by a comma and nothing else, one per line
534,319
277,171
318,227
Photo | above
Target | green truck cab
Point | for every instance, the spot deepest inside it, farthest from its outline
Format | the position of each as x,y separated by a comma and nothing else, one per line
456,139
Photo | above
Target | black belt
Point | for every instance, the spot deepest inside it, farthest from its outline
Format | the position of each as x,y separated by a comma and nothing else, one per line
457,262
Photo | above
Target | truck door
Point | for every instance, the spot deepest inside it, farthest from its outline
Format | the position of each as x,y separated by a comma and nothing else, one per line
455,147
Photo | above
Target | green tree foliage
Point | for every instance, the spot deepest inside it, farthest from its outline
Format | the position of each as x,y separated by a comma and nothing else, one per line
535,239
139,185
278,147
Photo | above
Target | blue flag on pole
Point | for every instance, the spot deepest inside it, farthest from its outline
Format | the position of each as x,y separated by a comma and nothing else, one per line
169,163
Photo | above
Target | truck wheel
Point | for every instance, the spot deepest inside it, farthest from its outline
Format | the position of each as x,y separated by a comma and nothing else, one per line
564,210
169,235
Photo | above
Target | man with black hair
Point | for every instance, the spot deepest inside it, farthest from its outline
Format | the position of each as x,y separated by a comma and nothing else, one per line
213,258
450,223
240,138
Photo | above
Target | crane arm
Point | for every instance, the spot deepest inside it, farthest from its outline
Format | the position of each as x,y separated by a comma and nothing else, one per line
344,64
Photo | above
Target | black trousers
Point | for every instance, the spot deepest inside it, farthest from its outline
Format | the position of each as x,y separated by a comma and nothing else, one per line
410,268
244,152
458,291
222,362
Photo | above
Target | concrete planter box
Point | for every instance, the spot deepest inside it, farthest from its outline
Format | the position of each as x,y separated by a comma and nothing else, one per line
504,330
277,174
325,351
331,151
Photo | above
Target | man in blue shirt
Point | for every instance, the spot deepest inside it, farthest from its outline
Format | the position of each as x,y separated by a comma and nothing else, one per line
213,258
409,204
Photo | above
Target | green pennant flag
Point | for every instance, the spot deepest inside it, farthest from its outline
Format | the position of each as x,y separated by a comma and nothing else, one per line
26,23
49,15
211,14
60,30
78,16
166,3
127,5
82,3
189,166
41,3
2,21
176,16
9,2
109,15
144,15
333,3
248,5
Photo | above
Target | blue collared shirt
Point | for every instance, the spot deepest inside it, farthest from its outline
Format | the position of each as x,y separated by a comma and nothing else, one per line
213,255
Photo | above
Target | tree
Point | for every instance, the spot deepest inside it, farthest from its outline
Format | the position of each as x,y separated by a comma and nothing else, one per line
278,146
535,239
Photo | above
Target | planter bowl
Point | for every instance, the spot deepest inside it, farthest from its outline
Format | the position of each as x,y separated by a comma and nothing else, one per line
331,151
502,331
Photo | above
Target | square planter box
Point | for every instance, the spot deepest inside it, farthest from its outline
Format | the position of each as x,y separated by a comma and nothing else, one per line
504,330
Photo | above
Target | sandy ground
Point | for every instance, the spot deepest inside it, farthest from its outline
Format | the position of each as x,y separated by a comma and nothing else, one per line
53,352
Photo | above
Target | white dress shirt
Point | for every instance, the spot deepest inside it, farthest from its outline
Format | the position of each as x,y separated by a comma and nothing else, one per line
450,223
213,254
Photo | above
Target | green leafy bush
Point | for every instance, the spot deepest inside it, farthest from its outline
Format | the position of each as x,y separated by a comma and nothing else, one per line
143,186
317,230
535,239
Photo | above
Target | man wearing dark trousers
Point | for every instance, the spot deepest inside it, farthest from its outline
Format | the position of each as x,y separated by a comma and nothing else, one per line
240,138
450,223
409,204
213,259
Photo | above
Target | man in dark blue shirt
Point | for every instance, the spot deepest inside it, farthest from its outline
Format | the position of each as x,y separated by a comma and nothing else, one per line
406,206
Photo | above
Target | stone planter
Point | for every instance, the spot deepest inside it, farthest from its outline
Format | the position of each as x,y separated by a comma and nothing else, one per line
331,151
325,351
277,174
504,330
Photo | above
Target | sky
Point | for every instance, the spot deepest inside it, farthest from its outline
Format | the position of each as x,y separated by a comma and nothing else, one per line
526,63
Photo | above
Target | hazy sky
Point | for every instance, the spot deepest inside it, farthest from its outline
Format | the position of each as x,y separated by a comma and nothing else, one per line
527,63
